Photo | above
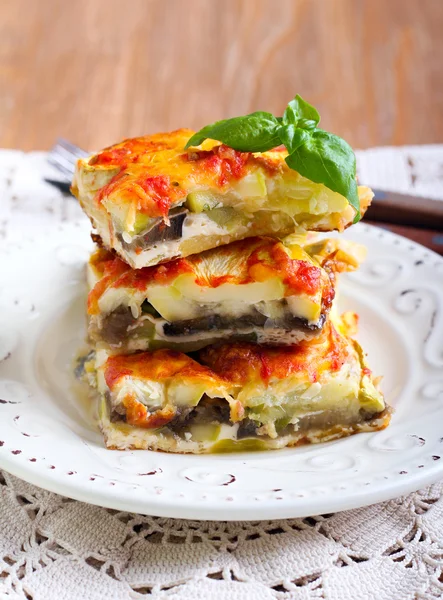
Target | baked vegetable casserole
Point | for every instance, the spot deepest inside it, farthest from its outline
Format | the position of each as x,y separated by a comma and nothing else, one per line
212,316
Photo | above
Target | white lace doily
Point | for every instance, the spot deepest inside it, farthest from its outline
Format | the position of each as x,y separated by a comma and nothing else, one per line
53,548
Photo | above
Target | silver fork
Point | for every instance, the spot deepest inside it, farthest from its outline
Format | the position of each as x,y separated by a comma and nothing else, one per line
63,156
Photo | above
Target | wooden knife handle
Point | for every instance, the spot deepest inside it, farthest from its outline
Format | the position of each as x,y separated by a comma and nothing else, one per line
403,209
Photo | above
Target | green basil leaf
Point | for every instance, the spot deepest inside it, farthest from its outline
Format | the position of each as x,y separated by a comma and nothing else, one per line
308,124
292,137
256,132
201,135
300,109
316,154
328,159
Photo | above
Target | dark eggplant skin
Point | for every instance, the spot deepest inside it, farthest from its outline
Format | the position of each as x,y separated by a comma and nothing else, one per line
247,428
114,326
255,319
158,231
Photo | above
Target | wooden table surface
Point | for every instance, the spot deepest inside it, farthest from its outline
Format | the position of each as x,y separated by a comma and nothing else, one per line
96,71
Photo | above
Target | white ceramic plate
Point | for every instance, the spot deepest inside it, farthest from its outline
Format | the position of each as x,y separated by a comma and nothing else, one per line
48,438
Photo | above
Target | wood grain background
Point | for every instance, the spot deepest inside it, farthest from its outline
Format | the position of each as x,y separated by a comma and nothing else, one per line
95,71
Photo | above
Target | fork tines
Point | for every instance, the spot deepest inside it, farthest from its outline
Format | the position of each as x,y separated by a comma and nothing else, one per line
63,156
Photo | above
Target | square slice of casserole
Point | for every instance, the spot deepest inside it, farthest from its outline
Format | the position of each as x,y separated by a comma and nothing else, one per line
238,396
258,289
151,200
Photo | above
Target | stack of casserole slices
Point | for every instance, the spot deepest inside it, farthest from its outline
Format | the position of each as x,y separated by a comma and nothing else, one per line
209,308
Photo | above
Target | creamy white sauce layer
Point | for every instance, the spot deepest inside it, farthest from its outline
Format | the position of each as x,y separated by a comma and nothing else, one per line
194,225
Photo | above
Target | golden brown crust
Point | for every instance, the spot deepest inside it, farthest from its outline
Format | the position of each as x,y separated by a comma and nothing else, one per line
155,172
241,363
159,365
96,238
379,422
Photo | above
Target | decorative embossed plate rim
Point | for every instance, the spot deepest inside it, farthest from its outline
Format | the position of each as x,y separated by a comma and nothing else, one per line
48,438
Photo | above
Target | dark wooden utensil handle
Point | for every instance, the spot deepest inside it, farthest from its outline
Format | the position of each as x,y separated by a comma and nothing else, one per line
404,209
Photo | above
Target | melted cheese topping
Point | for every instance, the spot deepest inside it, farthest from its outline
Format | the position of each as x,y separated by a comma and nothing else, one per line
234,365
244,363
245,272
154,172
152,387
145,177
159,366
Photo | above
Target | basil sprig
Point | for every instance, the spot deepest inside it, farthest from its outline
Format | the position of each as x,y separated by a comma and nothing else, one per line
316,154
